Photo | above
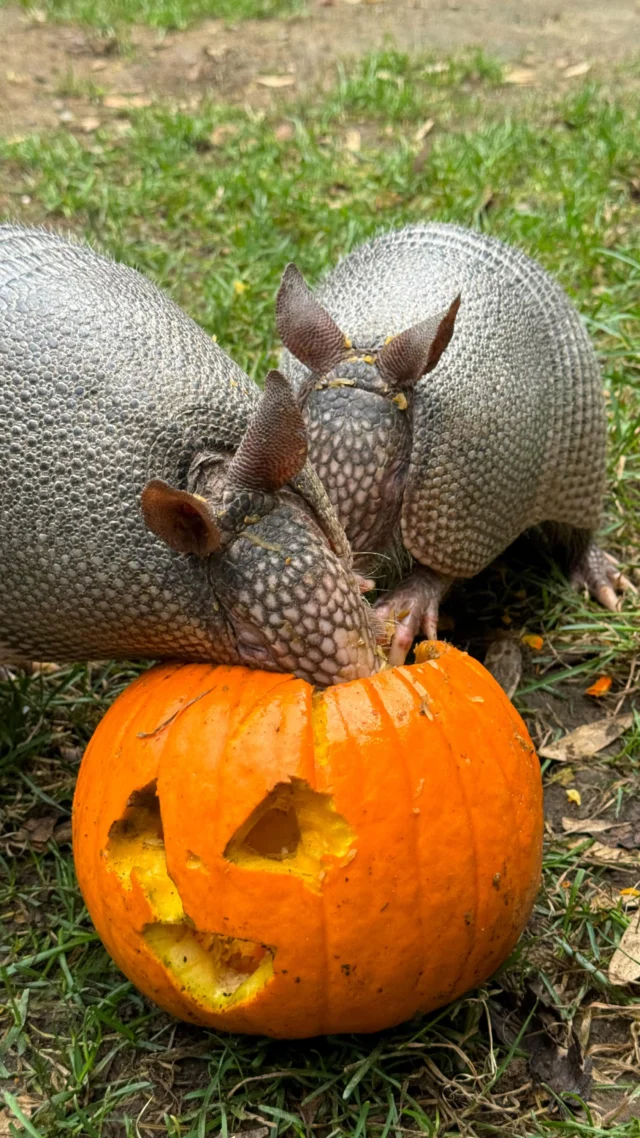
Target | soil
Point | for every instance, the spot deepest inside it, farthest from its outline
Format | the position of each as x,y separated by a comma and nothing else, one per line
47,70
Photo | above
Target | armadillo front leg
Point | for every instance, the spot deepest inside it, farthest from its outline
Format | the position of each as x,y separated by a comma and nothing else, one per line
412,607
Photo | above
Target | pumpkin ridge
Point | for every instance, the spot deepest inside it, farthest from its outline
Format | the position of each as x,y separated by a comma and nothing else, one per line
510,784
391,730
160,744
317,715
408,680
234,731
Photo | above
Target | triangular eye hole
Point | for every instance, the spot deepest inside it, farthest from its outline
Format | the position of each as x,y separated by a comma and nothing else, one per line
413,353
274,448
305,327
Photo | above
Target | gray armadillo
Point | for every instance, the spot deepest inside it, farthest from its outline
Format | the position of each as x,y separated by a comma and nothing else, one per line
451,458
117,410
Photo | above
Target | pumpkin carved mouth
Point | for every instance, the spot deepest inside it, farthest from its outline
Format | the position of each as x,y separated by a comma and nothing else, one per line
217,970
294,830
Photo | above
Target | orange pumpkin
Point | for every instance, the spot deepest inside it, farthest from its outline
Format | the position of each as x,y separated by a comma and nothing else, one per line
262,857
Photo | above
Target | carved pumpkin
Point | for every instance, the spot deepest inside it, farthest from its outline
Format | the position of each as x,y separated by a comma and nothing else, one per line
262,857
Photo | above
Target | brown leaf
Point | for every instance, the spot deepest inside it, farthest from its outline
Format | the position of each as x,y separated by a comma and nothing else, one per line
623,835
576,70
276,81
88,125
40,830
220,134
216,51
521,76
553,1049
62,833
9,1123
600,854
587,740
504,660
125,102
284,132
424,130
586,825
624,966
353,140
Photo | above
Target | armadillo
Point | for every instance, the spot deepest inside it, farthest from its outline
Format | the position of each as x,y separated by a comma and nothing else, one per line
153,502
453,401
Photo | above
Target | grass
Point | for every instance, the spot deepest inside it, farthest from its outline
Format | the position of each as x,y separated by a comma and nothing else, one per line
213,215
108,14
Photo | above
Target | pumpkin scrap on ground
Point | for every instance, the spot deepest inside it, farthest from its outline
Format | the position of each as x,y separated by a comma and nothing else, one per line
263,857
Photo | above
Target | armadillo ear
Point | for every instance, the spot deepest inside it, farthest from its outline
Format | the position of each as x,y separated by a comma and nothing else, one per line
304,327
183,521
413,353
274,448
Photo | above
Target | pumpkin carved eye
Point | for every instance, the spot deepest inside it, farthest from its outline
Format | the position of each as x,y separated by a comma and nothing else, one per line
215,969
294,830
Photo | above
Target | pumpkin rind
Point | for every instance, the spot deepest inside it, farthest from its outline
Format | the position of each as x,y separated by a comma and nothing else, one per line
414,800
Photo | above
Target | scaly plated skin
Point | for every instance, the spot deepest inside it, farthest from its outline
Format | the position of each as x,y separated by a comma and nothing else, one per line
110,394
453,400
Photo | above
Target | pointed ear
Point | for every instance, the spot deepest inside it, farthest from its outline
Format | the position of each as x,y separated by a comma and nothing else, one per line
413,353
274,448
304,327
183,521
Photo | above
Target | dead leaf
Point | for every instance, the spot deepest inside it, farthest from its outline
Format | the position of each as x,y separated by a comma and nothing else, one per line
125,102
39,831
62,833
619,835
284,132
536,643
220,134
521,76
353,140
504,660
574,795
89,125
98,65
216,51
600,687
600,854
553,1049
587,740
8,1121
576,70
563,776
624,966
424,130
71,754
586,825
276,81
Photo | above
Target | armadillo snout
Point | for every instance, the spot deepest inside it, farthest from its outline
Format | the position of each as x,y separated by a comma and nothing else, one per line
292,605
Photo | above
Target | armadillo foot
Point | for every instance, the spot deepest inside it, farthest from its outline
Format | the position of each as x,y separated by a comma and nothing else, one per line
600,574
412,607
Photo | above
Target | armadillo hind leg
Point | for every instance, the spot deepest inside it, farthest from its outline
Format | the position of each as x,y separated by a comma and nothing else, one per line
600,574
410,608
589,567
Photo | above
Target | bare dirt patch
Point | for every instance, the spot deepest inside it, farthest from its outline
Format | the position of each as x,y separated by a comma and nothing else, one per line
51,73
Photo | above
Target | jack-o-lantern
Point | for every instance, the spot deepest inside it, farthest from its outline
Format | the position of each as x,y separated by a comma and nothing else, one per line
262,857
